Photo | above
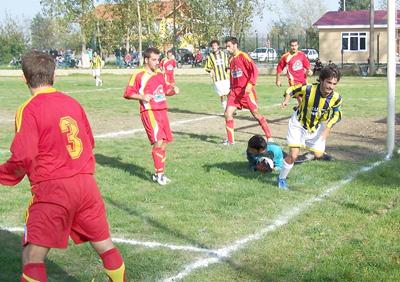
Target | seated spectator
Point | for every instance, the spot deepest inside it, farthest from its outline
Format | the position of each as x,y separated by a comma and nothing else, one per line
128,60
198,59
317,67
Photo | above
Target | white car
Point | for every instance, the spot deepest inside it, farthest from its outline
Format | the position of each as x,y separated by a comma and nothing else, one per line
311,54
263,54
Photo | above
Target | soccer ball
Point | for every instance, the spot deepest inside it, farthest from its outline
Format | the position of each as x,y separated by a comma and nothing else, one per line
265,165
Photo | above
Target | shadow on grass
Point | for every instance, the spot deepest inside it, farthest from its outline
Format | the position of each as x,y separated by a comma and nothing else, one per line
242,169
10,261
116,163
202,137
148,219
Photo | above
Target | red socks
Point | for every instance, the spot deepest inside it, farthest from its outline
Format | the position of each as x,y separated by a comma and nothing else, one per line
264,125
114,265
34,272
230,130
159,157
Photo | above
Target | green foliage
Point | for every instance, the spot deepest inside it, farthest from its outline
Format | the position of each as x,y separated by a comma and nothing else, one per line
13,40
354,5
79,12
43,33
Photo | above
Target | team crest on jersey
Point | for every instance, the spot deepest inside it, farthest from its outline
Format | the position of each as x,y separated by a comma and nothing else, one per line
237,73
298,65
315,111
159,94
170,67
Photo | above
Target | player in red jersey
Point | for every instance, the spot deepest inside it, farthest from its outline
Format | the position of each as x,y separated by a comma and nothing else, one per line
53,146
298,66
168,66
149,88
243,78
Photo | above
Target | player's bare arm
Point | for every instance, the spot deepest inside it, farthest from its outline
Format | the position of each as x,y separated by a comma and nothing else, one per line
286,98
278,80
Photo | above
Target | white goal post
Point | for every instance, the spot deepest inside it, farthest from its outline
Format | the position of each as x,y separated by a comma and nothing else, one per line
391,76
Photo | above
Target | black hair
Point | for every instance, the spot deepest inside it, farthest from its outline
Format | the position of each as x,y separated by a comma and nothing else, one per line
38,68
214,41
149,51
329,71
293,41
231,39
257,142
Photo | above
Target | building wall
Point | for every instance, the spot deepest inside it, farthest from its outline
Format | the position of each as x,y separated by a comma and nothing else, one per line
330,45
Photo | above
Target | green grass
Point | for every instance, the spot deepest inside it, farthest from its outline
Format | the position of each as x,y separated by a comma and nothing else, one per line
214,200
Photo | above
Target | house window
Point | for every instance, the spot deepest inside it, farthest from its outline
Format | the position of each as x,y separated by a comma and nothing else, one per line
354,41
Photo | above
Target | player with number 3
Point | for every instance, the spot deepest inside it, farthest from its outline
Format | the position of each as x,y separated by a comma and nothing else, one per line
53,146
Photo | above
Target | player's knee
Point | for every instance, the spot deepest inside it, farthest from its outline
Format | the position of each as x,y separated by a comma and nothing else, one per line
33,254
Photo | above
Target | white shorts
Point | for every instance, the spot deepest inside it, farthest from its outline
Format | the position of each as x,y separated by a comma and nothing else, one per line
297,136
96,72
222,87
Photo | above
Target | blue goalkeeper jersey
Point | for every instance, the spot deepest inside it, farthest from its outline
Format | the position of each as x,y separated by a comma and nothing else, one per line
274,152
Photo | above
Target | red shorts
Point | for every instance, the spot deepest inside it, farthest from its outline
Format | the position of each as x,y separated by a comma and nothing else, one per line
156,124
169,78
66,207
239,99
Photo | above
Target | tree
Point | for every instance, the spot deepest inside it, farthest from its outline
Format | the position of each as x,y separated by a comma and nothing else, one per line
78,12
383,4
354,5
13,40
239,15
43,33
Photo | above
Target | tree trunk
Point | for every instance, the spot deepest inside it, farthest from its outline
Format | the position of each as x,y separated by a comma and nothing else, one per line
140,31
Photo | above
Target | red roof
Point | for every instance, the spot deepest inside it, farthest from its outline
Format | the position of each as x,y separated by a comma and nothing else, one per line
358,17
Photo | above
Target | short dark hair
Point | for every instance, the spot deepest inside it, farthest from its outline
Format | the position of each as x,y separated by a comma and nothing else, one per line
170,52
257,142
293,41
149,51
38,68
329,71
231,39
213,42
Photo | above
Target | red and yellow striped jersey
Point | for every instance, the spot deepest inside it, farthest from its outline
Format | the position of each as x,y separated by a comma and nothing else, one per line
53,140
243,70
149,83
296,64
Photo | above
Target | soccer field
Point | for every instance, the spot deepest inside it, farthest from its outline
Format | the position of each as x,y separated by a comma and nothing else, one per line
217,220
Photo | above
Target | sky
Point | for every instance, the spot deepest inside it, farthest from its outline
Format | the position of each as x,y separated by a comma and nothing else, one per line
29,8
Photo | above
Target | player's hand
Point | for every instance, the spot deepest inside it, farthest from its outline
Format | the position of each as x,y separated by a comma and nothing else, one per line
309,72
212,74
147,97
278,83
284,104
176,89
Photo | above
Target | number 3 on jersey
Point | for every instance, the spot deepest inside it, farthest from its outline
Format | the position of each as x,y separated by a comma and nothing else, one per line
68,125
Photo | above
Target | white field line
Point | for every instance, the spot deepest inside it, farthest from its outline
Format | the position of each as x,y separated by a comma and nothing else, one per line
133,131
225,252
146,244
121,133
94,90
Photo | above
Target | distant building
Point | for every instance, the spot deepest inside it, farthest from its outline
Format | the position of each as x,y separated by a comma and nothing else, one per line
348,32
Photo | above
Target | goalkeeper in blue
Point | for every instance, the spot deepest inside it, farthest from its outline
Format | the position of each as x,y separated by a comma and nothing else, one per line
264,156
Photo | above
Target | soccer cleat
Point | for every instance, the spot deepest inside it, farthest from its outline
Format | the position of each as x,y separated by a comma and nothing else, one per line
282,183
161,179
325,157
227,143
305,158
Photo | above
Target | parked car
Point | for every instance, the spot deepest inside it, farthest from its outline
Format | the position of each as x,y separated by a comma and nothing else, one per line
263,54
310,53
